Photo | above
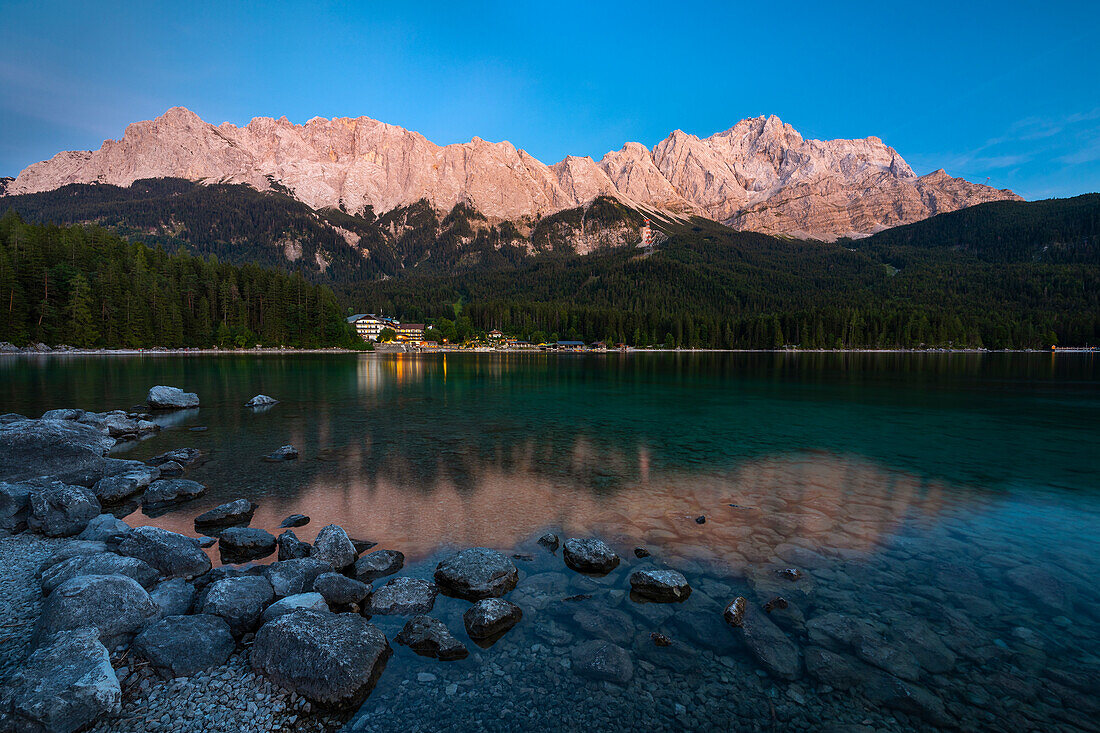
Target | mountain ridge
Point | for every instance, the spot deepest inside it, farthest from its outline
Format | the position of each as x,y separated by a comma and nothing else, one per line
759,175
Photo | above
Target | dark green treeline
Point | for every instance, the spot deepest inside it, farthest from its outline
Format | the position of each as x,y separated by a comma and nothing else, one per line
88,287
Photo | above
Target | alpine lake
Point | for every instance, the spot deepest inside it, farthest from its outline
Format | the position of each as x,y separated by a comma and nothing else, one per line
941,511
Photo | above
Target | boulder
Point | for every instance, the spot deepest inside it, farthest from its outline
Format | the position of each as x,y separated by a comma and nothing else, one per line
100,563
549,541
182,456
292,548
222,572
116,605
362,546
170,469
589,556
290,604
14,503
238,511
173,555
72,548
283,453
477,573
67,684
609,624
294,520
171,398
63,449
402,597
173,597
61,510
836,670
601,660
291,577
105,528
240,544
116,487
663,586
340,590
333,545
429,637
261,400
332,659
238,601
170,491
378,564
180,646
773,649
491,617
735,611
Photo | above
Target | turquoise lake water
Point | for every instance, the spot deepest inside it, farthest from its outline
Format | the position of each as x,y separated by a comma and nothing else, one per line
948,505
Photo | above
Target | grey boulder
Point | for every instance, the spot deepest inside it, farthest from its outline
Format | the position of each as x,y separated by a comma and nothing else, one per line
171,398
61,510
430,637
238,601
477,573
14,502
333,545
602,660
589,556
66,450
292,548
120,486
100,563
402,597
291,577
238,511
65,685
240,544
663,586
172,554
378,564
105,528
490,617
173,597
170,491
116,605
181,456
332,659
283,453
290,604
180,646
340,590
261,400
294,520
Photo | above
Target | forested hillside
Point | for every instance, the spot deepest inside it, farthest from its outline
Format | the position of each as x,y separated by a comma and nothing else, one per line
89,287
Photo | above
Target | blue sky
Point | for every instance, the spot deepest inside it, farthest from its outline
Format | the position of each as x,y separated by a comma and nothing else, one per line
1005,91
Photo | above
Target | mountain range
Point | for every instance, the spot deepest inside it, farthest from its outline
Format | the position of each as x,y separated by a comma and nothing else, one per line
761,175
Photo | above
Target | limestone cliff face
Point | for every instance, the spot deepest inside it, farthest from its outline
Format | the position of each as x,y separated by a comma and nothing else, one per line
760,175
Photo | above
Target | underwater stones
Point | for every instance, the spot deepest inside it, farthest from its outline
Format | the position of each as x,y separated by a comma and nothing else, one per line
604,623
490,617
549,541
283,453
163,492
773,649
660,639
57,509
797,587
172,554
477,573
866,641
171,398
430,637
238,511
663,586
116,605
789,573
241,544
261,400
1048,591
602,660
589,556
735,611
332,659
292,548
294,520
180,646
67,684
333,545
402,597
238,601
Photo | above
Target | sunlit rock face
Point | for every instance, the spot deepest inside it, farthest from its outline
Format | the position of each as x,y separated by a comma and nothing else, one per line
759,175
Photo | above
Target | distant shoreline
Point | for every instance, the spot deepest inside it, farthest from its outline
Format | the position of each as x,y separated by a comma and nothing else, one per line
429,352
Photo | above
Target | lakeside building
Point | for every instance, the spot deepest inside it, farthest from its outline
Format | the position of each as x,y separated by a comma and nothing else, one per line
409,332
495,335
369,325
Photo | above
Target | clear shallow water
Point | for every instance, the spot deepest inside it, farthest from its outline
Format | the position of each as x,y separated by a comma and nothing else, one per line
952,501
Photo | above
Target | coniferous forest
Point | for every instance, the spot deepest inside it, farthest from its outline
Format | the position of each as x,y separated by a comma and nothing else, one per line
88,287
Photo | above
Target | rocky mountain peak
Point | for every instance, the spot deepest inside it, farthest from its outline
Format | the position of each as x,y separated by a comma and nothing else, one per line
760,174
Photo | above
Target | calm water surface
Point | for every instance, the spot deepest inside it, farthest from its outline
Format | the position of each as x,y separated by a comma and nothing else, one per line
947,504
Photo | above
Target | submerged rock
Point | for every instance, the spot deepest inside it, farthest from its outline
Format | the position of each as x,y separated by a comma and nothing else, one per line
261,400
490,617
589,556
773,649
180,646
868,642
116,605
477,573
238,511
641,553
340,590
332,659
292,548
172,554
171,398
290,604
61,510
67,684
602,660
430,637
402,597
238,601
294,520
378,564
664,586
333,545
240,544
1047,590
700,519
283,453
182,456
660,639
170,491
